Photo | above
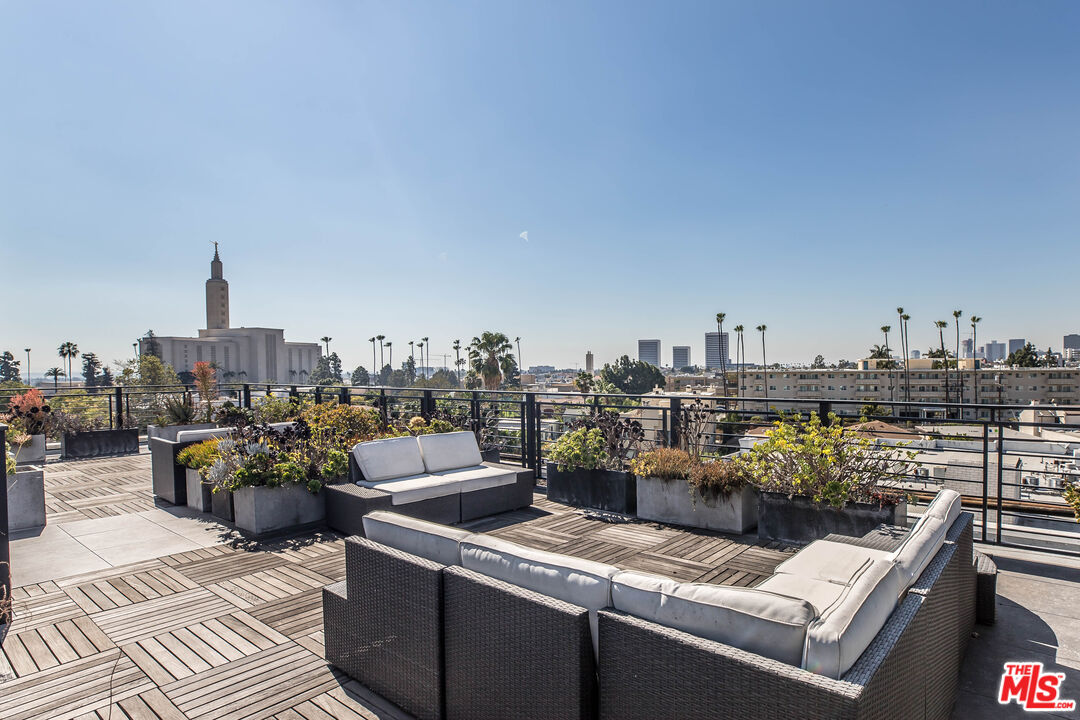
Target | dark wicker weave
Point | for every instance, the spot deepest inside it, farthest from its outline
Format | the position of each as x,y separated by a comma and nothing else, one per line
387,632
489,501
347,504
986,589
908,671
883,537
512,653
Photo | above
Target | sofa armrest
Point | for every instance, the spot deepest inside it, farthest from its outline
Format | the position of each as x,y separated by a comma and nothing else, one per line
347,504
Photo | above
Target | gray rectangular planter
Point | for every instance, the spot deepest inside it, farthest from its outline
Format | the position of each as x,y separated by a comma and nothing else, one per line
798,519
26,499
602,489
168,432
32,453
262,510
221,504
198,492
673,502
99,443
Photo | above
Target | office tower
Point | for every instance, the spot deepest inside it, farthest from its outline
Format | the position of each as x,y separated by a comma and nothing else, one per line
588,361
716,347
1016,344
995,351
680,356
649,351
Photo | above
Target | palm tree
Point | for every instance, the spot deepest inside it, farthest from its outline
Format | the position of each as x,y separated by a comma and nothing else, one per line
888,353
904,344
720,347
326,339
738,352
380,338
55,373
390,348
941,325
420,346
959,375
412,355
427,344
761,329
457,362
975,320
489,355
372,341
67,351
521,368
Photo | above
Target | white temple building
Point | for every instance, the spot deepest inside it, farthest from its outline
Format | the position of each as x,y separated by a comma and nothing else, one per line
244,354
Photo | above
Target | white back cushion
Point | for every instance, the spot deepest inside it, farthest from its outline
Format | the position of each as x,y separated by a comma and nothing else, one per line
419,537
389,458
836,639
449,451
919,548
946,505
205,434
573,580
754,620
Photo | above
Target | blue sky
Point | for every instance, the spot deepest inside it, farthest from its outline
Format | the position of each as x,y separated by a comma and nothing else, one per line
368,167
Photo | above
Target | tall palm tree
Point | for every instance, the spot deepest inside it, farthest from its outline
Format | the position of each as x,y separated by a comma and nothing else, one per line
975,320
380,338
390,349
489,355
905,345
885,329
427,344
941,325
957,314
372,376
457,361
761,329
67,351
739,364
411,355
326,339
521,368
420,346
55,373
720,347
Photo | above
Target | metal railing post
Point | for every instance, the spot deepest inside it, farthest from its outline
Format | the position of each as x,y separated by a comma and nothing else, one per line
382,407
528,432
676,420
474,410
345,398
247,396
318,394
119,394
986,476
5,551
1000,467
293,392
427,405
111,413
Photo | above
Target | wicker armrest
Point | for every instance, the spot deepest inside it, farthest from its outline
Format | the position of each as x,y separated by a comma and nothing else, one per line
883,537
513,653
347,504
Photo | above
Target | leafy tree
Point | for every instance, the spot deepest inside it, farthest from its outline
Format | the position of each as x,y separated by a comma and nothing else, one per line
327,371
1049,359
397,378
106,379
360,376
441,378
148,370
384,375
186,377
90,367
490,358
632,377
1026,356
473,381
511,375
872,409
9,368
409,368
843,364
206,384
819,363
153,347
879,352
583,381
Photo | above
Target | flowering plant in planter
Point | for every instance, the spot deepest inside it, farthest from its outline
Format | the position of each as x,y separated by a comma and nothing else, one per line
826,463
28,414
707,478
580,449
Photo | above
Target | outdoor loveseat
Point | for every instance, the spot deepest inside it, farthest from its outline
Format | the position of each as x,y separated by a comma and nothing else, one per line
447,623
440,477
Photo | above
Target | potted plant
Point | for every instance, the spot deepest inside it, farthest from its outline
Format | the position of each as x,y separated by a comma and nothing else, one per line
179,413
589,466
25,495
816,478
674,486
197,459
28,420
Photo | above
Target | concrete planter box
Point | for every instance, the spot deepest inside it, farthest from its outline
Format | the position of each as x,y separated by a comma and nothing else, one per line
263,510
198,492
168,432
99,443
600,489
673,502
221,505
491,456
32,453
798,519
26,499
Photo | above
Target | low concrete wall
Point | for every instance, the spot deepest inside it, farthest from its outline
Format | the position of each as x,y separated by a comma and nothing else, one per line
26,499
671,501
168,432
261,510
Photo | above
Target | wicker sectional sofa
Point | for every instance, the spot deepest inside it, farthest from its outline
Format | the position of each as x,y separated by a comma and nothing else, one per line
441,478
448,624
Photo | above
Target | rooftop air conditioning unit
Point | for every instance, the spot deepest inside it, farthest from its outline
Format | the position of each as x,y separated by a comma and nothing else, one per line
1029,481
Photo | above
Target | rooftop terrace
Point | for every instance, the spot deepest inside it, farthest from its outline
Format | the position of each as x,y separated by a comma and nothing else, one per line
127,608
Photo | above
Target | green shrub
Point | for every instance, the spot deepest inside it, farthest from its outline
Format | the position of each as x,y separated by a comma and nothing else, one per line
582,449
718,478
200,455
663,463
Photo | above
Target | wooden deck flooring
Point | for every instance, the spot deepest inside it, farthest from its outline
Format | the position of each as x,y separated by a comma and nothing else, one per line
235,631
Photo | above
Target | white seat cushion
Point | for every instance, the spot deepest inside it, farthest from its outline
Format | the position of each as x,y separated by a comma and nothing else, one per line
819,593
449,451
389,458
581,582
919,548
205,434
754,620
831,561
415,488
479,477
840,634
419,537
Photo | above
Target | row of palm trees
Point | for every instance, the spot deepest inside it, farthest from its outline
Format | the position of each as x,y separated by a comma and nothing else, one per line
489,355
940,325
740,352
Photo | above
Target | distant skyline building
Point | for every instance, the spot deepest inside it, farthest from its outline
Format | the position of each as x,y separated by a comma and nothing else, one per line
967,348
589,362
994,351
1071,342
680,356
249,354
915,354
649,351
716,347
1016,344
